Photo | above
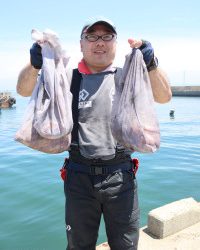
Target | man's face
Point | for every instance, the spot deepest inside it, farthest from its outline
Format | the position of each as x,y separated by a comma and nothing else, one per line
100,54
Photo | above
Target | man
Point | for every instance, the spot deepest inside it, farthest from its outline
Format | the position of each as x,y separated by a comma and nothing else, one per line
100,178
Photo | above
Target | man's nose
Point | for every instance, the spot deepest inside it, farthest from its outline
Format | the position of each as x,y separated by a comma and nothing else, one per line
100,42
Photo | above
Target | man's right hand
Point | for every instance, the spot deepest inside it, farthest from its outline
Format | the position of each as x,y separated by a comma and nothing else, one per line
36,56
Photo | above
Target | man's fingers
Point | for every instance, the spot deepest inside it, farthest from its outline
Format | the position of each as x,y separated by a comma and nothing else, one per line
134,43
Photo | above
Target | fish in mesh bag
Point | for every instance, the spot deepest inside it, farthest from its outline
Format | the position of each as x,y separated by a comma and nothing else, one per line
48,123
134,123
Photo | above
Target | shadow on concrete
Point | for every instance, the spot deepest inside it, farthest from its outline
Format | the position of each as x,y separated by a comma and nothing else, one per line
146,231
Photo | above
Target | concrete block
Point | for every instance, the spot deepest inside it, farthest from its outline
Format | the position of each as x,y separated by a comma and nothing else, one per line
103,246
173,217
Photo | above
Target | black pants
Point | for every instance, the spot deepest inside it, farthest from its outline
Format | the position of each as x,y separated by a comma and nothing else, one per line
88,197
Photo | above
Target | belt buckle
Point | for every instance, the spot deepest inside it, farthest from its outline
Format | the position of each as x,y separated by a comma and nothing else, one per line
97,169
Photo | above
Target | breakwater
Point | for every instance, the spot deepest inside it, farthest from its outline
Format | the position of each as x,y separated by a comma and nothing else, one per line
185,91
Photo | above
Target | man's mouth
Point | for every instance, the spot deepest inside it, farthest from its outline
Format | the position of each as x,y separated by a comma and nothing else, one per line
99,52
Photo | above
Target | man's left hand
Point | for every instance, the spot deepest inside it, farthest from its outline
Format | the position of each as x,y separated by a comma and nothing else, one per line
135,43
146,49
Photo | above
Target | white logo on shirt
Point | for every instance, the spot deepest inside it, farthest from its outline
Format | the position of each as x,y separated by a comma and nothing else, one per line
83,94
86,104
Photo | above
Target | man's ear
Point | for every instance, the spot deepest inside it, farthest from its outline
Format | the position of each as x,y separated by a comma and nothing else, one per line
81,46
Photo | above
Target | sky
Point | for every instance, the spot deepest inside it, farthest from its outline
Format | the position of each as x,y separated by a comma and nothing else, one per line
173,28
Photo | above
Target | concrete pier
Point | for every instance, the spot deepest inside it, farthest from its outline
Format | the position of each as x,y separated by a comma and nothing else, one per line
175,226
173,217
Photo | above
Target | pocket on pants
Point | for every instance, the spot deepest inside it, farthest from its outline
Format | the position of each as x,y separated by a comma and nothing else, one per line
129,175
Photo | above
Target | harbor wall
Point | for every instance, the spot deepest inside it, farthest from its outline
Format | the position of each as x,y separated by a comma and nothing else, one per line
186,91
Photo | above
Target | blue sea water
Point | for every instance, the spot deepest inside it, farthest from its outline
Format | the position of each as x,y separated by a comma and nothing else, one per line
31,191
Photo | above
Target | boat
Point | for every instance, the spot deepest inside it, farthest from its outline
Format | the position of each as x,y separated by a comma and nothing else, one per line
6,100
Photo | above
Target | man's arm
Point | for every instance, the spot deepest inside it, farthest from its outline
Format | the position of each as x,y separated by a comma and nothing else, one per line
26,80
160,86
28,76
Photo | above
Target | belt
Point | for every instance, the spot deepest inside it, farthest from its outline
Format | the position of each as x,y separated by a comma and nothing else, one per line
99,169
96,162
